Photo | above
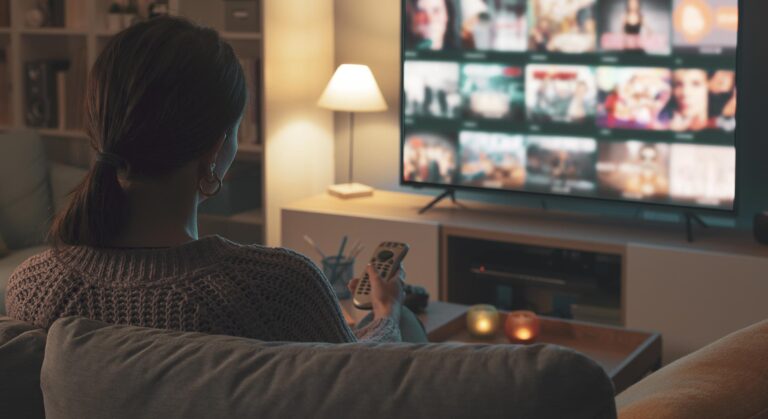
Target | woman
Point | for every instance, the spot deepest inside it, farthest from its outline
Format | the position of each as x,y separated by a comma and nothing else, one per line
163,104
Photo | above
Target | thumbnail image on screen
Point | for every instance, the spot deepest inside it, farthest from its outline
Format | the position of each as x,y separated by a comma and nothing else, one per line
633,98
567,26
626,100
492,160
430,158
431,25
634,169
561,165
635,26
705,26
560,93
703,175
431,89
493,91
494,25
701,100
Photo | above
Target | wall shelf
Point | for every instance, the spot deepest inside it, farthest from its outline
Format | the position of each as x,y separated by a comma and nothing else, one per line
241,36
53,31
79,42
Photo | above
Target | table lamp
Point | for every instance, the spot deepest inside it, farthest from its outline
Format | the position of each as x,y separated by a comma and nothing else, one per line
352,89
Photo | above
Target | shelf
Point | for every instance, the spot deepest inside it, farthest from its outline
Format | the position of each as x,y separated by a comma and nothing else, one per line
107,33
249,152
241,36
53,31
5,30
65,133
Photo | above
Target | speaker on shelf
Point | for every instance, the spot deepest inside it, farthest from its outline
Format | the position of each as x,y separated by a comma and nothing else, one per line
760,227
40,93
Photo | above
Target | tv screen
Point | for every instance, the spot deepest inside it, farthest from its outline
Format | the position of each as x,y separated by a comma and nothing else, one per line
631,100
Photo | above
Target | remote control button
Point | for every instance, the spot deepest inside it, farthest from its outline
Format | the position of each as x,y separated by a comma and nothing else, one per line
385,255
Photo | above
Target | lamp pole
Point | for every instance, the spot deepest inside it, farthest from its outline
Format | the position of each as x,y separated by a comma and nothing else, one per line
351,142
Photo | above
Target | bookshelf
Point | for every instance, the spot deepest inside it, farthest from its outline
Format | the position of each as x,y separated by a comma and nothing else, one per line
77,41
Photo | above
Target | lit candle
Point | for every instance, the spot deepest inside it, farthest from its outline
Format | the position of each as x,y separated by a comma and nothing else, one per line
482,320
522,326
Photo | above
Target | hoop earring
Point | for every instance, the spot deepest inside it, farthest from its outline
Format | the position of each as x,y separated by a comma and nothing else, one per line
216,179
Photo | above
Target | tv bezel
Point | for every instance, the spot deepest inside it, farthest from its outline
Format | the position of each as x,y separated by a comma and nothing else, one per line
637,203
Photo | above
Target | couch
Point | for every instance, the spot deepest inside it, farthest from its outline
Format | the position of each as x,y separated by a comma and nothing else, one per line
31,190
87,369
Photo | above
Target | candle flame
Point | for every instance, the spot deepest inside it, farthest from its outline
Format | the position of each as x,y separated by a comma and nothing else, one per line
483,325
523,334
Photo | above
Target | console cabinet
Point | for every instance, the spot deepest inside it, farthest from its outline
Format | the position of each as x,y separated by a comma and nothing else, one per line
692,293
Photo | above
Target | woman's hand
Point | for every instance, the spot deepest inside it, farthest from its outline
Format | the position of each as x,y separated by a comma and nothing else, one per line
387,295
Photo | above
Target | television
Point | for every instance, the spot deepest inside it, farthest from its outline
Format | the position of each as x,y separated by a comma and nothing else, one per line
627,100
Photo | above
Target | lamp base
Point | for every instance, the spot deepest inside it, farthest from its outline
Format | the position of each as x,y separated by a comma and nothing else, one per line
350,190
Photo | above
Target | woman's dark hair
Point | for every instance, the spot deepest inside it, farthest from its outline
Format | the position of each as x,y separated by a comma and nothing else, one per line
161,94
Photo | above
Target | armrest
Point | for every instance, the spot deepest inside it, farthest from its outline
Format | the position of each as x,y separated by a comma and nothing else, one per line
726,379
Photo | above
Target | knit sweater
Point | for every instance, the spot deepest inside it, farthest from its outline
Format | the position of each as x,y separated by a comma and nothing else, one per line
210,285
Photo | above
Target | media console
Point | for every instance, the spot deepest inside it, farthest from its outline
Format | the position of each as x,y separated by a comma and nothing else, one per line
639,274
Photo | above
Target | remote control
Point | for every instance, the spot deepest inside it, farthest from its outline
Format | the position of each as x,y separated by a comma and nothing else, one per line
386,261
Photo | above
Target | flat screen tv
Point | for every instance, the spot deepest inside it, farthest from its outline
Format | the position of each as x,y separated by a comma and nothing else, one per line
629,100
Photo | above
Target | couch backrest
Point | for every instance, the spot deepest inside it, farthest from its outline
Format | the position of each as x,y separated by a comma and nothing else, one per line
96,370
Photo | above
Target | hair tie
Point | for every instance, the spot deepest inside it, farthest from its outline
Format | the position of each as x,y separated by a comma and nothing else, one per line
112,159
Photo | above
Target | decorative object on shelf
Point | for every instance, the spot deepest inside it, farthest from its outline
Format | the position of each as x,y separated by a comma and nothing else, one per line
130,15
115,17
157,8
352,89
482,320
241,16
760,227
36,17
522,326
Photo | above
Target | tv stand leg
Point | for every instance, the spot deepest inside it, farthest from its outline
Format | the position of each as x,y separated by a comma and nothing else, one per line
448,193
690,219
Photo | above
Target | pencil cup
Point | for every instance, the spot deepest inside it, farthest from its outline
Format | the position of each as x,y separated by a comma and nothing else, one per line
339,271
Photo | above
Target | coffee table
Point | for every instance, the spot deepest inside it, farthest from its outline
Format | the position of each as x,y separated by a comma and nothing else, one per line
626,355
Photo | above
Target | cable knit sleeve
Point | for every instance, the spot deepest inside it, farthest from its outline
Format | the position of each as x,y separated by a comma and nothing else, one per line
294,301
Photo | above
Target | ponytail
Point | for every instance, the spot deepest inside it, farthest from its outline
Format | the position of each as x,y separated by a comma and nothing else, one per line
98,208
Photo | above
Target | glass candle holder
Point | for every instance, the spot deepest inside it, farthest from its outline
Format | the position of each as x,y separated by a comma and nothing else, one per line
482,320
339,272
522,326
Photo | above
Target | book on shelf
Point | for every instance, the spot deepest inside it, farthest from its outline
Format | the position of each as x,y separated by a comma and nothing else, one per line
248,134
5,91
5,13
75,82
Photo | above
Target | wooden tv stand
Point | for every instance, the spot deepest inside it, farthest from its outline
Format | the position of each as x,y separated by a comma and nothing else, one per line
692,293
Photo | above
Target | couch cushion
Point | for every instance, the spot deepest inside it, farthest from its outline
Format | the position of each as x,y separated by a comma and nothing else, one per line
8,264
726,379
25,194
95,370
21,356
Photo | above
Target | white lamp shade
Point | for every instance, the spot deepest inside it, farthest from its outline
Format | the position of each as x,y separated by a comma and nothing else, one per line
353,89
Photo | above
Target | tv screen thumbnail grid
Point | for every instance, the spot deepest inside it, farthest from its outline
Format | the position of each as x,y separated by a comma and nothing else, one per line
649,117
